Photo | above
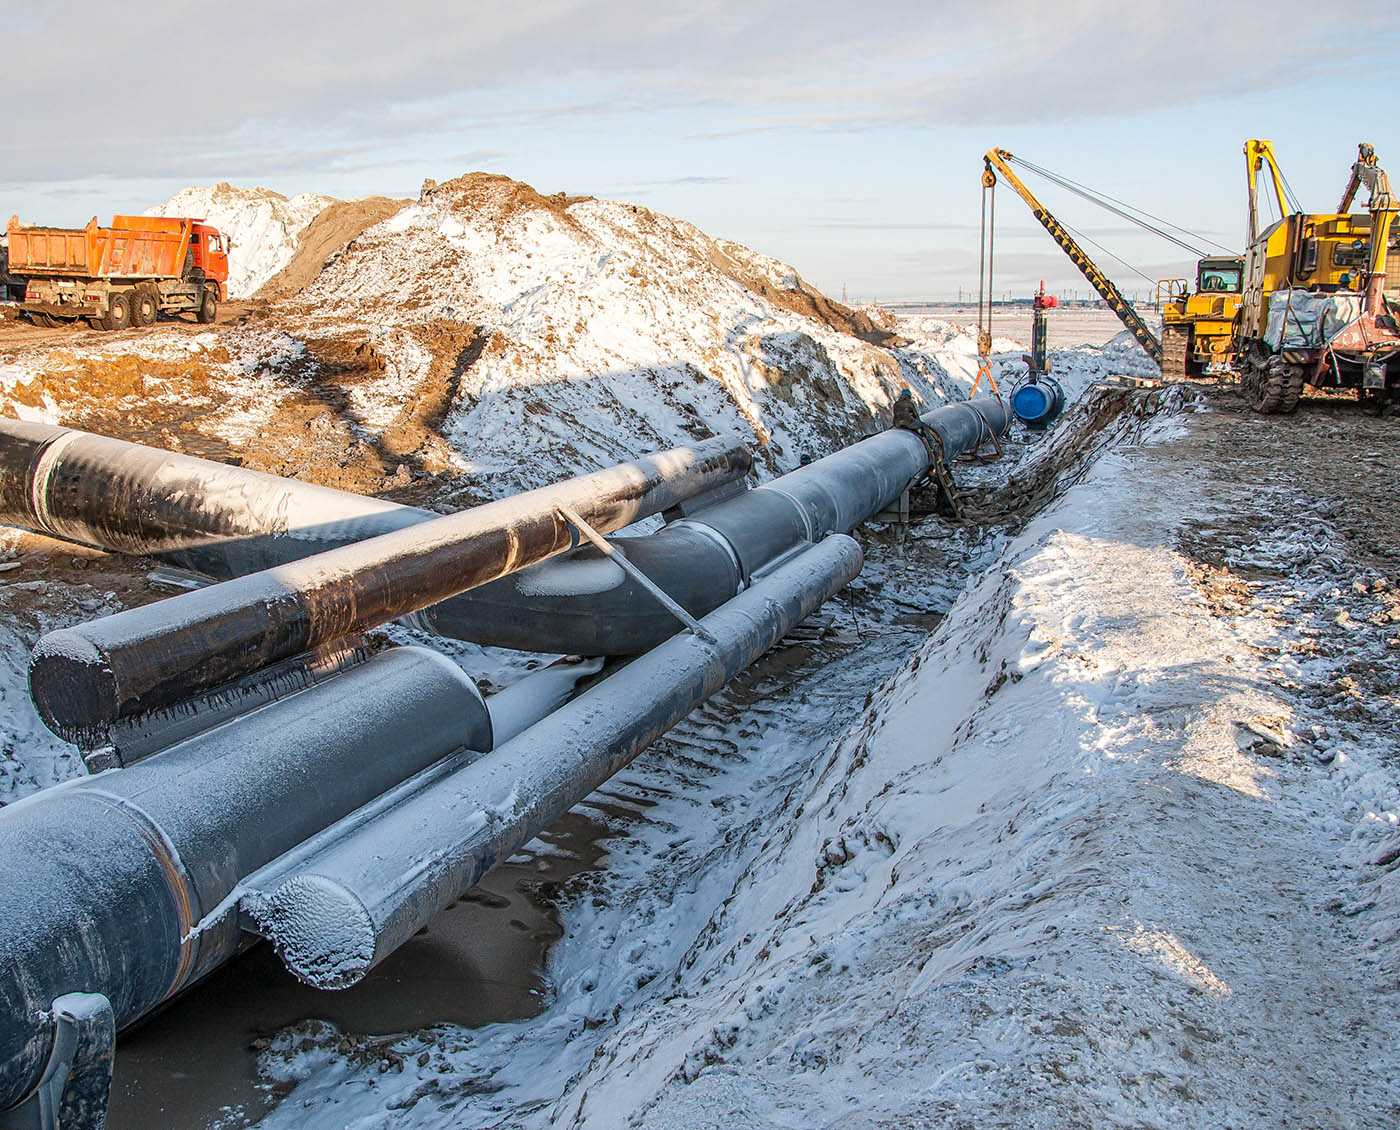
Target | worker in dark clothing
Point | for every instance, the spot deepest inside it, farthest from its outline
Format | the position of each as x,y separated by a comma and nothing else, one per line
906,416
906,412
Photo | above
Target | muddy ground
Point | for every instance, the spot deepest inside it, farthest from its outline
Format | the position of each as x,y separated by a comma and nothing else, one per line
1306,527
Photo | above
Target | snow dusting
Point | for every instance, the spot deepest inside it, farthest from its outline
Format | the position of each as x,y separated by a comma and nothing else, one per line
1082,812
262,224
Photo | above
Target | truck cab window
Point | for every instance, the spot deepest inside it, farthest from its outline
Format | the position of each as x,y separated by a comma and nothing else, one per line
215,244
1220,279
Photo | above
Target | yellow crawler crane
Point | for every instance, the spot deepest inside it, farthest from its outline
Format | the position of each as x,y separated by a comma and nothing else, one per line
1321,294
998,161
1198,329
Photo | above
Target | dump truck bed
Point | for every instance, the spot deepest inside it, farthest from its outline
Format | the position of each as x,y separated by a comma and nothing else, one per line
144,247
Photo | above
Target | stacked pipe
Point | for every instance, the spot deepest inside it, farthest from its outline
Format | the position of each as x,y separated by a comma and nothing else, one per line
265,820
86,678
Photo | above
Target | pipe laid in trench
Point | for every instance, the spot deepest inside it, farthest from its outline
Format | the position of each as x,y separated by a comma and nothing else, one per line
84,678
337,912
113,880
584,604
212,517
175,834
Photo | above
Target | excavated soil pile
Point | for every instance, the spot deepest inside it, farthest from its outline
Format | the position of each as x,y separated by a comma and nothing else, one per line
324,238
792,293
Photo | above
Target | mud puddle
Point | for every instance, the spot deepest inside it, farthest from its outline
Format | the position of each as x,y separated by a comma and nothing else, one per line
194,1064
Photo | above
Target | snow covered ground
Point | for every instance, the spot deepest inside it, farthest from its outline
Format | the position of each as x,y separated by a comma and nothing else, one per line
1080,859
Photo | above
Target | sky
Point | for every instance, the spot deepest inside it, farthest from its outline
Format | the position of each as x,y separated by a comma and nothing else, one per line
844,138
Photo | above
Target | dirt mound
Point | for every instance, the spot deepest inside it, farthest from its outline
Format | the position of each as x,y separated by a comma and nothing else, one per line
497,196
261,225
326,235
791,293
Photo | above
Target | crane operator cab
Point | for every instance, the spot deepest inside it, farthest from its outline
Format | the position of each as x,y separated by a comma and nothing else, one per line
1220,275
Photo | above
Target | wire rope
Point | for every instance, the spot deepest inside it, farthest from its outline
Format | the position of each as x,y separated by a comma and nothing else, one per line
1124,210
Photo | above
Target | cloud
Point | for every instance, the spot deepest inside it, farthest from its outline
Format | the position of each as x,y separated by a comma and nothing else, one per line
230,79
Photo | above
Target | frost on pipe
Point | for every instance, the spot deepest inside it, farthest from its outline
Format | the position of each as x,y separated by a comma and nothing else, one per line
129,498
584,605
85,677
336,912
115,881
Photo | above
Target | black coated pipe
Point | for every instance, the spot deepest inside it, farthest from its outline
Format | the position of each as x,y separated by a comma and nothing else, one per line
382,880
113,881
84,678
218,519
586,605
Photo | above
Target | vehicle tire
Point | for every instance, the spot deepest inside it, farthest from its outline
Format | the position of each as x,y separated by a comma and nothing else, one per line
118,311
144,307
1270,388
208,306
43,320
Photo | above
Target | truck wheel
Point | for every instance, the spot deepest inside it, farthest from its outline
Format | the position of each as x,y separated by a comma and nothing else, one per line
144,308
43,320
118,311
1272,389
208,306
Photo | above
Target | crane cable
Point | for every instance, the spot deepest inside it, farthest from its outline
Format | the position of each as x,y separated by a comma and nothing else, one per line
985,265
1116,258
1117,207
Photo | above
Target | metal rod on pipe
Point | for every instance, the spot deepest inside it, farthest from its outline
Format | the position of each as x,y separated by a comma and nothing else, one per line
85,677
632,571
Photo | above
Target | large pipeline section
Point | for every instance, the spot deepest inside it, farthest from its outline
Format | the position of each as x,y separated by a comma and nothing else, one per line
84,678
110,878
338,818
218,519
378,883
585,604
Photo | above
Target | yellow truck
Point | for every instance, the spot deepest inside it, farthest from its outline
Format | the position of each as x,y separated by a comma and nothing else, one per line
1197,328
1321,291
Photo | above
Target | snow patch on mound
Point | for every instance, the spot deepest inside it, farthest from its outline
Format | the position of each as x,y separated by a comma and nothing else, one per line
609,330
262,224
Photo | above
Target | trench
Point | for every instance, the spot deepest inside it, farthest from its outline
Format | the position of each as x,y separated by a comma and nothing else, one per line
486,959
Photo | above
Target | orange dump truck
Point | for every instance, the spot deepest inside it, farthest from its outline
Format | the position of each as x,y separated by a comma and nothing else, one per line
124,275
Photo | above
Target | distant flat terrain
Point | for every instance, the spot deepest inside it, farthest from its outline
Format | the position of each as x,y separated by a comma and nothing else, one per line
1069,327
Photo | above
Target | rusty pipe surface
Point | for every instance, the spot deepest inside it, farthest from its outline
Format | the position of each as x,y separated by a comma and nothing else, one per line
85,677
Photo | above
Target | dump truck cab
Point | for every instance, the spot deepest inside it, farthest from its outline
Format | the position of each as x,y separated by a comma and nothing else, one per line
209,251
